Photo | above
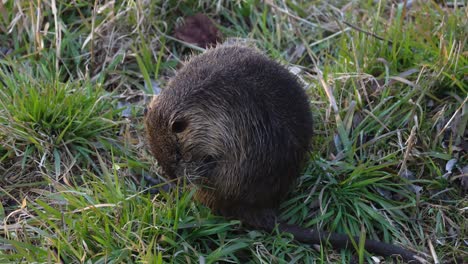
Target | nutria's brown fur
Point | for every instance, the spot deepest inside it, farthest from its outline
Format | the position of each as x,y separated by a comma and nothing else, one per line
238,125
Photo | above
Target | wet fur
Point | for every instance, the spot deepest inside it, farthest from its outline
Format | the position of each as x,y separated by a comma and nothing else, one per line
238,125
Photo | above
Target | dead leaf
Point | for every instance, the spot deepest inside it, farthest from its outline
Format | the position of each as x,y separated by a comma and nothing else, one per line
198,30
127,108
450,164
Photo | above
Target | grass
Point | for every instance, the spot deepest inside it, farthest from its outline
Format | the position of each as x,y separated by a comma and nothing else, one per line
50,122
388,89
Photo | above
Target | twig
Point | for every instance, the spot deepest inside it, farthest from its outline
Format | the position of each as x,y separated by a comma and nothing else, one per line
284,11
367,32
329,37
453,116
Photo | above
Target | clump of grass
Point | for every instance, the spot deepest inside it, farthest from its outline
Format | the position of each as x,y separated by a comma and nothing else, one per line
386,157
110,220
49,121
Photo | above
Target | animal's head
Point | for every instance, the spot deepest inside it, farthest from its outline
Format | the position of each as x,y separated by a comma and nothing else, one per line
176,141
162,132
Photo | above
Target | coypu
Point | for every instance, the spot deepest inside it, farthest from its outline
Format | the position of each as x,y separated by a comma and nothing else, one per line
238,125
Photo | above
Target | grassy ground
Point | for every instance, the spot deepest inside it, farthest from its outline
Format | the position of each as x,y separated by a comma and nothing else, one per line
388,89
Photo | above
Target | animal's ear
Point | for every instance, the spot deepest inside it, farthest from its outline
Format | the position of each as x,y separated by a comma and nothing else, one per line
179,126
153,103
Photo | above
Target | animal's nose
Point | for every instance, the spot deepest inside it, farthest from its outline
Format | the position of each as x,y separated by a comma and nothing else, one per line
145,111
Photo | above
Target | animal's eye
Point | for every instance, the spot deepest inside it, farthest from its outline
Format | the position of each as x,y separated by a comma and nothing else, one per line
145,111
179,126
